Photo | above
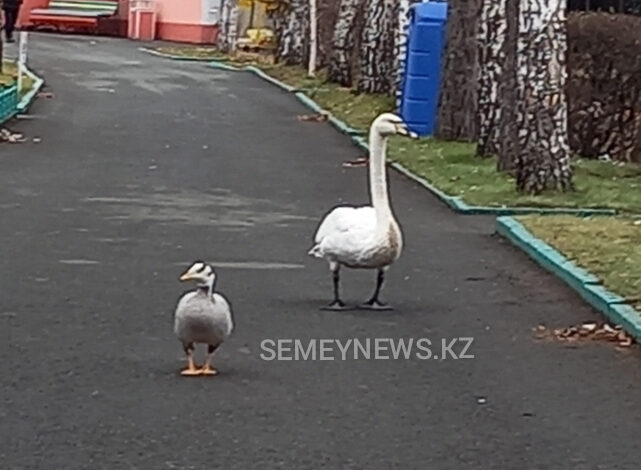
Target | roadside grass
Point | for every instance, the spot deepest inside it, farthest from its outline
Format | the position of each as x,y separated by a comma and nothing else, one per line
608,247
453,166
9,76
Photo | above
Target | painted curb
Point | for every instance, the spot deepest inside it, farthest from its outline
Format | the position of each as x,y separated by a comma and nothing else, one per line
454,202
612,306
28,99
174,57
270,79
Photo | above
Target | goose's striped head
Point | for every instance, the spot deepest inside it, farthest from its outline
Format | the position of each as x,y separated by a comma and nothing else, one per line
200,272
388,124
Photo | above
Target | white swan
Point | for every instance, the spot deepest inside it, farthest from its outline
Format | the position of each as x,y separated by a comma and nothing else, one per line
365,237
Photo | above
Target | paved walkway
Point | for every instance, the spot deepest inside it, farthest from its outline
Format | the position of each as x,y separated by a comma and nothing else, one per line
146,165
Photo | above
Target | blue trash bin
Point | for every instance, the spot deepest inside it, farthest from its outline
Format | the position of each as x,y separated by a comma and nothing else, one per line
422,74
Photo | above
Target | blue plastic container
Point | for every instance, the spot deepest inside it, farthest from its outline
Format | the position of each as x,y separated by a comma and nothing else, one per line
422,74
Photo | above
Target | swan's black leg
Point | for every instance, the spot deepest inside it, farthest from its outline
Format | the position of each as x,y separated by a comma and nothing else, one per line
337,303
374,303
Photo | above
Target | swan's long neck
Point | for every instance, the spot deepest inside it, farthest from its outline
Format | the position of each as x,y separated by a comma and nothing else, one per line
378,178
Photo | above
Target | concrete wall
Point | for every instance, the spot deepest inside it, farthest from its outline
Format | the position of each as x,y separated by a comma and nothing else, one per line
191,21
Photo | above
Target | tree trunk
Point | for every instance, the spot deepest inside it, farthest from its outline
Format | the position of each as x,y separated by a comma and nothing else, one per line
458,98
491,43
544,161
340,65
229,26
2,20
292,43
313,38
400,44
377,49
511,115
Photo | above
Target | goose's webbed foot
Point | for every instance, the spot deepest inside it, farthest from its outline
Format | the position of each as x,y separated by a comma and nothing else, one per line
207,369
191,369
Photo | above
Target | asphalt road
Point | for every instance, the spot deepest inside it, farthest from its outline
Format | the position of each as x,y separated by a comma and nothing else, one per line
145,165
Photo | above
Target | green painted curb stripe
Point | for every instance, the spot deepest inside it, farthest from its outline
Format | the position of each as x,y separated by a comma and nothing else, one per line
23,104
627,317
175,57
214,64
344,127
452,201
269,78
613,306
307,101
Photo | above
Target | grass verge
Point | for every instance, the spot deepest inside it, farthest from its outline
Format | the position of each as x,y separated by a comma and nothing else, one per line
605,246
452,166
9,76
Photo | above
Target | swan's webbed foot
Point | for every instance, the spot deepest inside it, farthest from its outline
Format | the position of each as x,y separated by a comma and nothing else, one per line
336,305
374,304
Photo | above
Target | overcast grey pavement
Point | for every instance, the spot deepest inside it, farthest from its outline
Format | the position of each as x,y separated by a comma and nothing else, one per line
145,165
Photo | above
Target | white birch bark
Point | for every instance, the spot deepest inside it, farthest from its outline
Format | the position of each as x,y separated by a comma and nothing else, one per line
491,43
340,64
377,49
313,38
544,158
294,32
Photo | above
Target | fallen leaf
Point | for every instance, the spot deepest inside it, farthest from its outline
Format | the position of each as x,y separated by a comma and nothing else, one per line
590,331
11,137
320,117
356,163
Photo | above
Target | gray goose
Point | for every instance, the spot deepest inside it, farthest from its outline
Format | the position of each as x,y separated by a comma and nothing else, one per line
202,316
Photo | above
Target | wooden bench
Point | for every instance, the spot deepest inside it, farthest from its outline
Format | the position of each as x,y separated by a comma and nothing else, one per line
73,13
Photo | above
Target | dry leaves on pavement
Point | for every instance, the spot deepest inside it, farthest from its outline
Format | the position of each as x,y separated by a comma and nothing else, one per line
589,331
11,137
318,117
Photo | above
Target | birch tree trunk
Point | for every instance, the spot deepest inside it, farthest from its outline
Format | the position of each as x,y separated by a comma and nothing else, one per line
544,161
402,15
491,43
457,117
340,64
313,38
377,48
229,26
510,99
293,40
